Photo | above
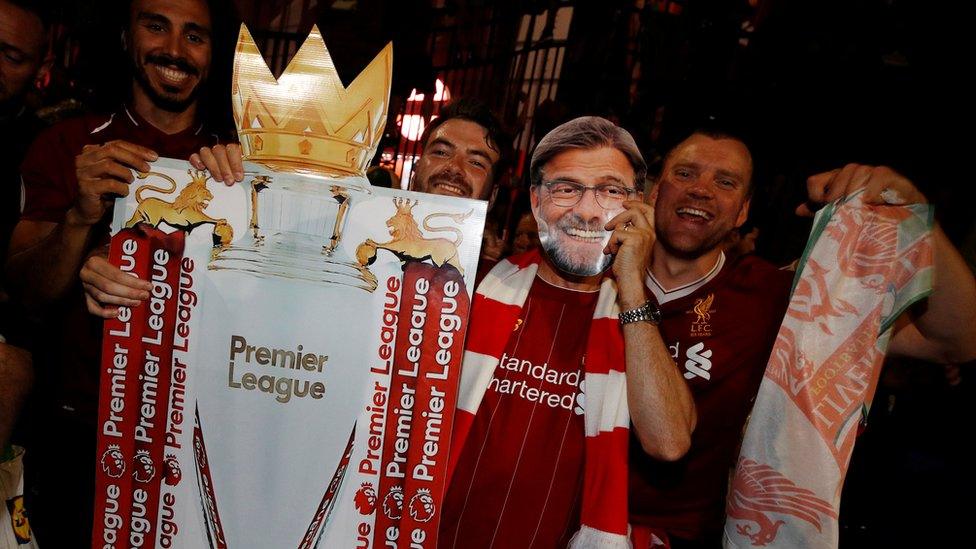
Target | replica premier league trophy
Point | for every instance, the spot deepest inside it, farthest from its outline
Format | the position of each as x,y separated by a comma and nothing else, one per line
305,122
291,381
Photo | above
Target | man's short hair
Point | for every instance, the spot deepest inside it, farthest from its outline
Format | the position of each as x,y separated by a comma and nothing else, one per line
473,110
41,9
584,133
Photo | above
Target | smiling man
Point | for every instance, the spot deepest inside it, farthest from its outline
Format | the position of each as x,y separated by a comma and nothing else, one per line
71,175
545,344
465,152
73,170
720,319
168,76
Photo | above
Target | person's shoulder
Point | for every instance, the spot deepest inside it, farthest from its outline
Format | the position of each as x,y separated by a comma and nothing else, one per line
81,124
28,124
752,273
67,136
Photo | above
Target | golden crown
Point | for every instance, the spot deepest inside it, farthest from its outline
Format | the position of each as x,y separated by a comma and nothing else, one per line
307,121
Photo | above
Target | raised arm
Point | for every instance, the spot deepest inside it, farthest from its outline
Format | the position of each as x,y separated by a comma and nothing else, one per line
943,328
662,409
45,256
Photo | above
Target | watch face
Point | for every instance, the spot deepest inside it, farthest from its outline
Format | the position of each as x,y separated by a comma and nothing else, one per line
655,312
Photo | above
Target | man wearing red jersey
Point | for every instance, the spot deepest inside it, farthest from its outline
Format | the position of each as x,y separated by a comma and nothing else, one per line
720,320
523,444
71,176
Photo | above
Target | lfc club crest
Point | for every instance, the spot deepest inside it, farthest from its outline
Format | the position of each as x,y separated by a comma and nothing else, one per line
702,326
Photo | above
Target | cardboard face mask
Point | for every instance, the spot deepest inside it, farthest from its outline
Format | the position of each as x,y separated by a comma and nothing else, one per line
573,257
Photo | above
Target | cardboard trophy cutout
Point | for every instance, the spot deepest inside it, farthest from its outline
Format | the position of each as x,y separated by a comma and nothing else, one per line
291,380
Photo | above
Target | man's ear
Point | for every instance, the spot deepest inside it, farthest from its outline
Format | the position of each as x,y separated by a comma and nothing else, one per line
743,213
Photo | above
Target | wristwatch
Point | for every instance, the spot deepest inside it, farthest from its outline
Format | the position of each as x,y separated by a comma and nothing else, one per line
648,312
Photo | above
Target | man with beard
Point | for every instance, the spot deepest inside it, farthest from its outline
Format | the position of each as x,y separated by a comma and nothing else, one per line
720,319
71,176
539,447
465,152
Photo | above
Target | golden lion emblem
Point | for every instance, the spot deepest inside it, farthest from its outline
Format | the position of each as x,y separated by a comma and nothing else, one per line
409,243
185,212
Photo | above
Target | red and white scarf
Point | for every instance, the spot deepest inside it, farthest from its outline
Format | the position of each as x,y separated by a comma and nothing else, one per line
863,266
496,309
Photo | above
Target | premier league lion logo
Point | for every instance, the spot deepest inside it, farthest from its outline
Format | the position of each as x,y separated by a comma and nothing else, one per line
171,470
422,506
113,462
145,469
409,243
185,212
393,503
366,499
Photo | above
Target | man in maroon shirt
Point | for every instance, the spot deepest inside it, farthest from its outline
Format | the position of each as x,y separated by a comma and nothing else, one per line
518,478
71,175
720,320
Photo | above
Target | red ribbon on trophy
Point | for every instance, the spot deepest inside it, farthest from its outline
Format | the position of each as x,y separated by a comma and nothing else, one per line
132,411
430,341
400,407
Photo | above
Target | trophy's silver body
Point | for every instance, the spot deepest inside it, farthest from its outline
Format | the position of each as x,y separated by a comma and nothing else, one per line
295,231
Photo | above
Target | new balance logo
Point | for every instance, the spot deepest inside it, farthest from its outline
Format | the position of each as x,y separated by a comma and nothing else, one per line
698,363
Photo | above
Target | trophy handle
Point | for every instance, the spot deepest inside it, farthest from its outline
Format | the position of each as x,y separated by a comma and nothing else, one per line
341,196
258,184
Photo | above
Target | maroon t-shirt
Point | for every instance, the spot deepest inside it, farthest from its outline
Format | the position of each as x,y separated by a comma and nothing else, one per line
518,480
48,171
720,337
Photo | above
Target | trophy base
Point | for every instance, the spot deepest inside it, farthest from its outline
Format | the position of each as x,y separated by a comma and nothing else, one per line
292,256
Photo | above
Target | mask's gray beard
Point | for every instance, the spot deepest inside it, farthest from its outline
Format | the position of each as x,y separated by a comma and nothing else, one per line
548,239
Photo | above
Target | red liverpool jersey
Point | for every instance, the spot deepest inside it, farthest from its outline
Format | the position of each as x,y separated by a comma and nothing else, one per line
518,480
720,332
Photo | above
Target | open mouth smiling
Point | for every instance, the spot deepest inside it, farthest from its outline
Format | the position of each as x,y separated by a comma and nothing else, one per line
171,76
694,214
453,188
